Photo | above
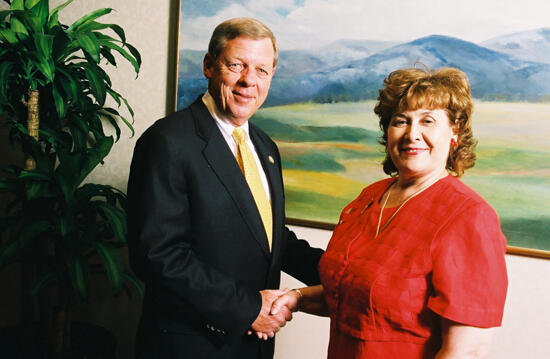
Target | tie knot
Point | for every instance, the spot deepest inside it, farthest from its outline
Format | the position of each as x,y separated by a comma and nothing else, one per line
238,135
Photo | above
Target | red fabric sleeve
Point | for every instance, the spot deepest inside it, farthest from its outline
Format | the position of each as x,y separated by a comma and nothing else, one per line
469,270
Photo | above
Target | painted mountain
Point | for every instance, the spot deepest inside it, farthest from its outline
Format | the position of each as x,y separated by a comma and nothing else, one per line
527,45
354,70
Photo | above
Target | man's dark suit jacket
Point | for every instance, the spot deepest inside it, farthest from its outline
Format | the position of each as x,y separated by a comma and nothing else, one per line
196,239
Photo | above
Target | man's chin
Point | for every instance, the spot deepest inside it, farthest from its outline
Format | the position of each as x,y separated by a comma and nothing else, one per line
242,112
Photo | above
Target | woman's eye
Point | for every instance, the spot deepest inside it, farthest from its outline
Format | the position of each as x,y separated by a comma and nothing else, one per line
399,122
428,121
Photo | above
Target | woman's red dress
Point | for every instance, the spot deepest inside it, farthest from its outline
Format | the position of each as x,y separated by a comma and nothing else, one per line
442,255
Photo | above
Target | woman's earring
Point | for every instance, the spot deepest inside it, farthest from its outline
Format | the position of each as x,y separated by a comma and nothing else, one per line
453,142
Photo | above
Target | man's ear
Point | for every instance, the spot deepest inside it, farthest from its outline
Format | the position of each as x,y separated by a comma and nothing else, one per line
207,65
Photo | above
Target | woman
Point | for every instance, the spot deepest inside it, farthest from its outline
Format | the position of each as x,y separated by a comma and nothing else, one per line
415,267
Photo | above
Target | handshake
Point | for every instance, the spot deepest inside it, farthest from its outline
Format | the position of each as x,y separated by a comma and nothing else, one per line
277,309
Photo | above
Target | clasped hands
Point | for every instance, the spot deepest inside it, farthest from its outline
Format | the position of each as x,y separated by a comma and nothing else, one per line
277,309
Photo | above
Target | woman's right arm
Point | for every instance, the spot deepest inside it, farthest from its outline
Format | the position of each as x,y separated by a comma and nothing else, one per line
308,300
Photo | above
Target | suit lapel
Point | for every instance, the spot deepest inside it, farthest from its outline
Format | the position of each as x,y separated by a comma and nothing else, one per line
271,167
223,163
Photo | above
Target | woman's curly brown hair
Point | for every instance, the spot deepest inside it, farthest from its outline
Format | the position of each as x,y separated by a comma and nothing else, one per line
445,88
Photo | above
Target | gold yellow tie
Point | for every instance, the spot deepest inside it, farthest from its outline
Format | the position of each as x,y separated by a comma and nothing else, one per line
246,162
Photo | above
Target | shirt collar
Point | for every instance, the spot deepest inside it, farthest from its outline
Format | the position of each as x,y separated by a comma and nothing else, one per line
225,125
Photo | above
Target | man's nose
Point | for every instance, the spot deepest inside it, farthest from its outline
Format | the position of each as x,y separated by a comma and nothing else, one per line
248,77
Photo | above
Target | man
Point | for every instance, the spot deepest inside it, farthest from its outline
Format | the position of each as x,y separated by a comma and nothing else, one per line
206,213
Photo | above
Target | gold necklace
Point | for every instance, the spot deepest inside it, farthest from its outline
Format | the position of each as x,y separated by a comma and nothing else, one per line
378,229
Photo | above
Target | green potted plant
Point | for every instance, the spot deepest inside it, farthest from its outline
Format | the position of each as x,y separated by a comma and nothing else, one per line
53,93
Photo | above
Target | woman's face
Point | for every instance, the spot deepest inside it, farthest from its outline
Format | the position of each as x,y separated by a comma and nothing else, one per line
419,141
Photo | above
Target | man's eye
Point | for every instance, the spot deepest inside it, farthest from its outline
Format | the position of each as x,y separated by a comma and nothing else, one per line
236,67
262,72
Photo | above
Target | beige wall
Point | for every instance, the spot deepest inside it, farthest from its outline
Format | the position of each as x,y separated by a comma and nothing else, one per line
150,26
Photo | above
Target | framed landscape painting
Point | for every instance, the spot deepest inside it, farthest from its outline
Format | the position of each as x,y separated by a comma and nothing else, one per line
334,55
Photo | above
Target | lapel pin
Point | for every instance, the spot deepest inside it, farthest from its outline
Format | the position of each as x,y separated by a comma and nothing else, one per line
270,159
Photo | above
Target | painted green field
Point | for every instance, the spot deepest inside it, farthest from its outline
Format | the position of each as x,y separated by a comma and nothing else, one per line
330,152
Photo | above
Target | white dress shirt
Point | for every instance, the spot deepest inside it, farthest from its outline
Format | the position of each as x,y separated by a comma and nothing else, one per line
226,128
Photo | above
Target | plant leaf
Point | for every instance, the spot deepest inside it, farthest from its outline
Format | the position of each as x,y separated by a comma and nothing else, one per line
130,277
4,14
96,85
67,173
88,18
43,59
44,278
106,53
123,52
95,156
34,175
17,5
113,120
135,53
44,44
8,184
90,44
112,264
116,219
31,20
128,106
13,247
56,10
30,3
18,27
35,190
68,83
9,36
5,69
40,8
59,102
76,268
119,31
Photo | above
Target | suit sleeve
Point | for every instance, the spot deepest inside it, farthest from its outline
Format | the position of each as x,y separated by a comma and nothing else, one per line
300,260
160,245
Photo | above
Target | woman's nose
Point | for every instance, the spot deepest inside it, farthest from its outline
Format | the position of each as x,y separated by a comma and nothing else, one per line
414,132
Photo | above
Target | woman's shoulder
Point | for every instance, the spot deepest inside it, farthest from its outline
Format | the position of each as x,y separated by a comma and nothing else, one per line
378,186
456,191
369,194
460,200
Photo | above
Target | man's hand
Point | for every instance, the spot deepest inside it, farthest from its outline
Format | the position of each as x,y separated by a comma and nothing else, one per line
289,301
266,324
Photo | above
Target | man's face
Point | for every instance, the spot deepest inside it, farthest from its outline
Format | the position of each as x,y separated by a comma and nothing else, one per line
240,77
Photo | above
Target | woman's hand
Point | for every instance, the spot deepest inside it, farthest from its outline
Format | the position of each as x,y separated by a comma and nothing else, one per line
290,300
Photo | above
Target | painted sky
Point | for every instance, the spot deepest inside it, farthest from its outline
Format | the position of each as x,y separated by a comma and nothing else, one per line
311,24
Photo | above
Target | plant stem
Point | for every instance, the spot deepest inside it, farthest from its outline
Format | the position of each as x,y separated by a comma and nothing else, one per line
32,125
